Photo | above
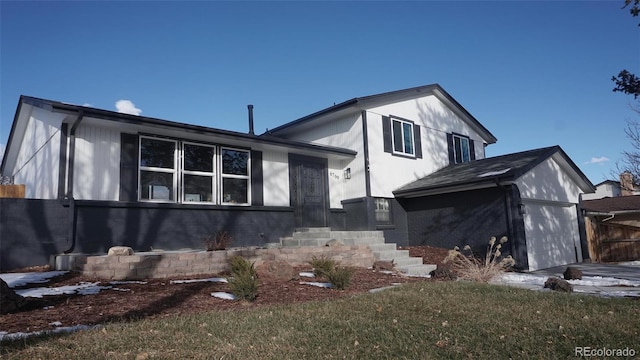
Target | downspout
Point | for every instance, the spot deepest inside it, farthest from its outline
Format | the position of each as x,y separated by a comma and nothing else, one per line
507,204
365,140
69,197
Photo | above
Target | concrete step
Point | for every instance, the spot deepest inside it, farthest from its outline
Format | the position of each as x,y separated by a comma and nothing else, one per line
406,261
391,255
416,270
382,247
312,229
339,235
313,235
362,241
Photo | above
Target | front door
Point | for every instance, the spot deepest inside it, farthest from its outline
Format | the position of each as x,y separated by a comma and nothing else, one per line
309,190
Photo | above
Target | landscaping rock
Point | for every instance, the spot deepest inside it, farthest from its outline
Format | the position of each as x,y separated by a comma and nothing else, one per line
558,284
334,242
383,265
572,273
120,250
9,300
443,273
276,270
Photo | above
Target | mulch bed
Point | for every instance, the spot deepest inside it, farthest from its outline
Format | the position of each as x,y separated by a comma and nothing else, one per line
161,298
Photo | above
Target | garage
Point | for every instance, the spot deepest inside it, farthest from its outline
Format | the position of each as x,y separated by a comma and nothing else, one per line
552,234
532,197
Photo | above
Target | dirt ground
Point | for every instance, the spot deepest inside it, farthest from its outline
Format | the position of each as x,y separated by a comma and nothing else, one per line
161,298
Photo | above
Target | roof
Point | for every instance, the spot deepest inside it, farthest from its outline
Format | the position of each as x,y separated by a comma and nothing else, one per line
611,182
613,204
76,110
389,97
486,172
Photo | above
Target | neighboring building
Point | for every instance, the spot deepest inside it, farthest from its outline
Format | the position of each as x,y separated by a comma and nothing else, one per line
607,188
97,178
613,228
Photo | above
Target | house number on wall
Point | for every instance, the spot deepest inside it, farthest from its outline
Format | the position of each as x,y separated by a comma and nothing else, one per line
334,175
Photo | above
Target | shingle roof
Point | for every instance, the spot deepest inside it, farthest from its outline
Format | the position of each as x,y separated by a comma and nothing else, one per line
484,172
613,204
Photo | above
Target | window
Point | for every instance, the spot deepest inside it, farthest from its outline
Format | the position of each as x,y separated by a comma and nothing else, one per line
158,168
197,174
402,137
461,149
235,176
382,211
175,171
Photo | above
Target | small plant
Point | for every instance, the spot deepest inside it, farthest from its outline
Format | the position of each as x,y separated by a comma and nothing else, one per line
340,277
244,279
218,241
322,266
469,267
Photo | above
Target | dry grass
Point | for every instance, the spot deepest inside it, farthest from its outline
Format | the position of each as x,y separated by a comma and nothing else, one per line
469,267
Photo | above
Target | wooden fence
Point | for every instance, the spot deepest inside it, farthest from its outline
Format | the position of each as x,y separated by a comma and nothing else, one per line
612,242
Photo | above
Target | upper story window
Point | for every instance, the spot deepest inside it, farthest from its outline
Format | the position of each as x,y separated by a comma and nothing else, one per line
461,148
401,137
175,171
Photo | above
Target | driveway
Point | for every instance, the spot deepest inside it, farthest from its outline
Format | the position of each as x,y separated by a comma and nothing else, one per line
619,271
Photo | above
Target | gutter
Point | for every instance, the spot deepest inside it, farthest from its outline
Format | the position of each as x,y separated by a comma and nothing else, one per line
69,197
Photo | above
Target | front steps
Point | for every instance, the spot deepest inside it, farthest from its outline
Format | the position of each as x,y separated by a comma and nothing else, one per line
374,239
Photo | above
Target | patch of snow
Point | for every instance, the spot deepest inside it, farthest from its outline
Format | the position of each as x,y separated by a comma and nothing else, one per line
318,284
21,279
120,289
83,288
223,295
21,335
127,282
215,279
494,173
56,323
307,274
604,286
630,263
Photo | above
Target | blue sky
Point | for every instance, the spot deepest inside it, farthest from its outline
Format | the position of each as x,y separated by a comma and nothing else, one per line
534,73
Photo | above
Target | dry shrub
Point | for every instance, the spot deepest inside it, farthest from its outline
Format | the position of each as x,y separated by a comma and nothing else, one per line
469,267
218,241
338,276
322,265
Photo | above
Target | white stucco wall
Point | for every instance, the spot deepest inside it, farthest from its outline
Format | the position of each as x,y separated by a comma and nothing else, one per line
97,163
602,191
275,177
548,182
37,164
435,119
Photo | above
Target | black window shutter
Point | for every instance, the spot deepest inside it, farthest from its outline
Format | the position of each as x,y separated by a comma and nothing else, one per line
452,158
257,191
128,167
472,149
418,141
386,134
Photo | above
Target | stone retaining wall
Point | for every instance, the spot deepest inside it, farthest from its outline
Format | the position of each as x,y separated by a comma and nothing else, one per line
155,265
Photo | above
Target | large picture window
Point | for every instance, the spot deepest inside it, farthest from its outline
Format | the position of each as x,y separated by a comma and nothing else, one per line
185,172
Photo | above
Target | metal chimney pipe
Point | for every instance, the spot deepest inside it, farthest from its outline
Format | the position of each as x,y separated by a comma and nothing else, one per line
250,107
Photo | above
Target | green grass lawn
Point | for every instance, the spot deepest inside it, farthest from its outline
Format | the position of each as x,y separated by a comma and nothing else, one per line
430,320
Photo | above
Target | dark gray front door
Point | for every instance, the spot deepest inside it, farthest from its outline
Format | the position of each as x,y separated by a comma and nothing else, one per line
309,190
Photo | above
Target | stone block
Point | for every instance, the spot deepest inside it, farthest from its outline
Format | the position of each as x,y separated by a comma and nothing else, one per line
120,251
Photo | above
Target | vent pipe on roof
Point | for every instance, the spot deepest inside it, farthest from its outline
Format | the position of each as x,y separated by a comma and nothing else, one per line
250,107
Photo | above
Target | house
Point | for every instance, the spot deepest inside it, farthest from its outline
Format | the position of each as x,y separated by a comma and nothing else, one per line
97,178
607,188
613,228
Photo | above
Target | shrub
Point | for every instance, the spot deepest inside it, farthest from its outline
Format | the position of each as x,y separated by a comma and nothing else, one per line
340,277
322,266
218,241
469,267
244,279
